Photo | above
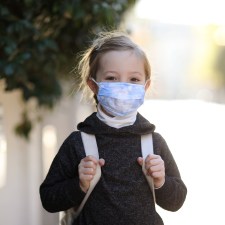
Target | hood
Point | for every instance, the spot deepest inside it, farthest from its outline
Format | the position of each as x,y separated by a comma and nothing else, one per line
92,125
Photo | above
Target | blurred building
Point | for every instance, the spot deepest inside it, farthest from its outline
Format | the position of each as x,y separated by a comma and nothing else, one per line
24,164
185,47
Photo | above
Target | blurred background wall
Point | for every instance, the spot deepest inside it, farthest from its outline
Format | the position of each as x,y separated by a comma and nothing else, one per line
23,164
185,42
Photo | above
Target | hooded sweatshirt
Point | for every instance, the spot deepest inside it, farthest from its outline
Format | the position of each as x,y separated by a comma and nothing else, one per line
122,196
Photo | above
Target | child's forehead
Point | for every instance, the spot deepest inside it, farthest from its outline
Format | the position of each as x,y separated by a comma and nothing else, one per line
116,55
121,62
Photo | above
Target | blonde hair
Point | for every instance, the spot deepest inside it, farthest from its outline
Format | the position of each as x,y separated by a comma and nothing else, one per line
105,42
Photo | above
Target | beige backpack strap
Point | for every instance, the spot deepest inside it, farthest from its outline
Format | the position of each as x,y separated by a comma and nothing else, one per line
91,148
147,148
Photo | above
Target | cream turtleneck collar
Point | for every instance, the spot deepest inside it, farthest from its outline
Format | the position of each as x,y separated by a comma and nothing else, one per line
117,121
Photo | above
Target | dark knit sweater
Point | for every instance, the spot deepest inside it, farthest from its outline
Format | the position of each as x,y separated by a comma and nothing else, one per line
122,196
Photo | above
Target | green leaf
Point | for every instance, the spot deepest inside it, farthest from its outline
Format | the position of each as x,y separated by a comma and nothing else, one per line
3,11
9,69
9,49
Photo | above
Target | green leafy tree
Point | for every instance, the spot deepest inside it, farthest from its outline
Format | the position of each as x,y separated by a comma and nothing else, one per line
39,41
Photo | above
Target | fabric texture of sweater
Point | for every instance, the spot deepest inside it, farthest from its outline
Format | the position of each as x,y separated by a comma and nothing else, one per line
122,196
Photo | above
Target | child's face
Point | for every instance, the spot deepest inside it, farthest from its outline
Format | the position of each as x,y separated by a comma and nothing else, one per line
121,66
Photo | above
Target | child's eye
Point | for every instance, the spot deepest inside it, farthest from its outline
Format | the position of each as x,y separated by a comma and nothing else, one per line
111,78
135,80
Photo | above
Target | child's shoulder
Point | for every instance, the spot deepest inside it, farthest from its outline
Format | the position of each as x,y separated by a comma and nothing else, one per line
157,136
72,146
72,138
159,143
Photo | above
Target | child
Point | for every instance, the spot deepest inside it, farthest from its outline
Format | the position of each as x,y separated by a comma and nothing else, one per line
118,73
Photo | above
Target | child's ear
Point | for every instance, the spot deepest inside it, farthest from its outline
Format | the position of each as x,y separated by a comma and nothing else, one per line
93,86
147,85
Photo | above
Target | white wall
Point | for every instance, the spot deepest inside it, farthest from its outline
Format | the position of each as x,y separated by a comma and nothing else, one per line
19,197
13,194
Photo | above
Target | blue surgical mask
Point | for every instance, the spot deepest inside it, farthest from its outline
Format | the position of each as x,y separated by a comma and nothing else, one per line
120,98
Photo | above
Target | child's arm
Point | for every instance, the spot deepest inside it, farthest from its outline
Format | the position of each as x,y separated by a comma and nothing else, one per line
61,187
172,194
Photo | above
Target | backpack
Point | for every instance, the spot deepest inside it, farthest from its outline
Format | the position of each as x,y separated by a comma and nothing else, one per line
90,147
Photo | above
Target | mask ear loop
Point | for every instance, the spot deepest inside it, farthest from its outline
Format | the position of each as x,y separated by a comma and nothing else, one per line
91,78
95,92
147,82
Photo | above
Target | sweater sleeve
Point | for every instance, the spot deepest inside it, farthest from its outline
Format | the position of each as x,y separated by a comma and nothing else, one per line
61,190
172,194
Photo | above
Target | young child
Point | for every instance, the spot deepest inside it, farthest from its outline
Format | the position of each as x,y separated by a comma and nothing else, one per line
117,72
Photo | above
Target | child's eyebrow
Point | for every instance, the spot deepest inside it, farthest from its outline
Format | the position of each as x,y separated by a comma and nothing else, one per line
110,71
114,71
136,73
